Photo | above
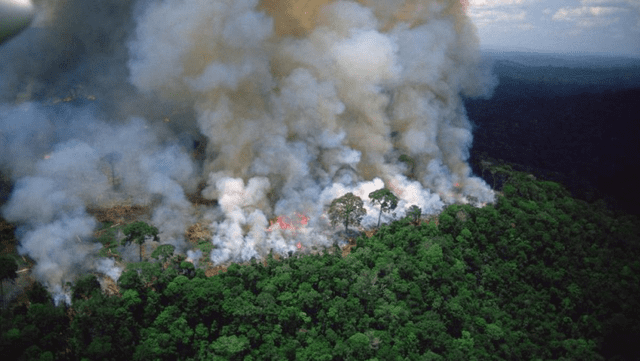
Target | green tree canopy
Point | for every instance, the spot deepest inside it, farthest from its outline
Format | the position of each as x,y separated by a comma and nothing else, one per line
458,288
165,252
8,268
387,201
414,212
85,286
138,232
38,294
348,209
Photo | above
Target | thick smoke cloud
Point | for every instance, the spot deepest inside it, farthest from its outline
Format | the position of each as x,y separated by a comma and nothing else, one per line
298,102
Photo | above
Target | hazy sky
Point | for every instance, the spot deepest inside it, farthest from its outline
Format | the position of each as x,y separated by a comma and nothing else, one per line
567,26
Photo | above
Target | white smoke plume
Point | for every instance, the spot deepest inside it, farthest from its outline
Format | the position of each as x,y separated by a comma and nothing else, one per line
193,257
108,267
297,101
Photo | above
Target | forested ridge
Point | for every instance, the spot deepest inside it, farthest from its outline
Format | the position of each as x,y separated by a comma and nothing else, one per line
536,276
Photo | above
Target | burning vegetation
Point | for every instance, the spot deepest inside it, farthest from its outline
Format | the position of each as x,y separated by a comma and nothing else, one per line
221,138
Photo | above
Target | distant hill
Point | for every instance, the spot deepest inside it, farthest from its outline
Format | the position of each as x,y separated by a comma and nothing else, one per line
580,60
564,75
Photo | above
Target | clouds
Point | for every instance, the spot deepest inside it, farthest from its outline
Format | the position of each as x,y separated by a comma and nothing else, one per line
505,12
492,16
587,17
569,26
494,3
572,14
617,19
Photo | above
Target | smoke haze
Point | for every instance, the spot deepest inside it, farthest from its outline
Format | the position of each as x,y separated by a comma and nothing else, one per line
298,102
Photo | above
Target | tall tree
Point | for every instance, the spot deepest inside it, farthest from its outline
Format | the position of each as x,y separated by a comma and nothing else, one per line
138,232
111,159
348,209
387,201
414,212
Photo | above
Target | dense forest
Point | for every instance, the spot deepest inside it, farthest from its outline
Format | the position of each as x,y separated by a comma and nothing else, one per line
575,123
538,275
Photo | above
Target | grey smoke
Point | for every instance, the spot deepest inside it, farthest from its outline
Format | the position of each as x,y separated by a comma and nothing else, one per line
101,104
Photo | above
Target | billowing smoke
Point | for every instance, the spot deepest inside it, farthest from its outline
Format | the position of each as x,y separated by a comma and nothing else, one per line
297,101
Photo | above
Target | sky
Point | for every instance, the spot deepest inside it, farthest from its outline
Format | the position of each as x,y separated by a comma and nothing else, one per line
559,26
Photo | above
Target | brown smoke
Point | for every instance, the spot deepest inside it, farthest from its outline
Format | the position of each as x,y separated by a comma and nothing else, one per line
292,103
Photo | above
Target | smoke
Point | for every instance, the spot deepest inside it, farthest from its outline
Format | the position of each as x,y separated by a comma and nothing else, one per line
298,102
108,267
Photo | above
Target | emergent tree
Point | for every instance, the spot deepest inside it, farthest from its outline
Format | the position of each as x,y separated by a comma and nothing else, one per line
138,232
348,209
414,212
387,201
